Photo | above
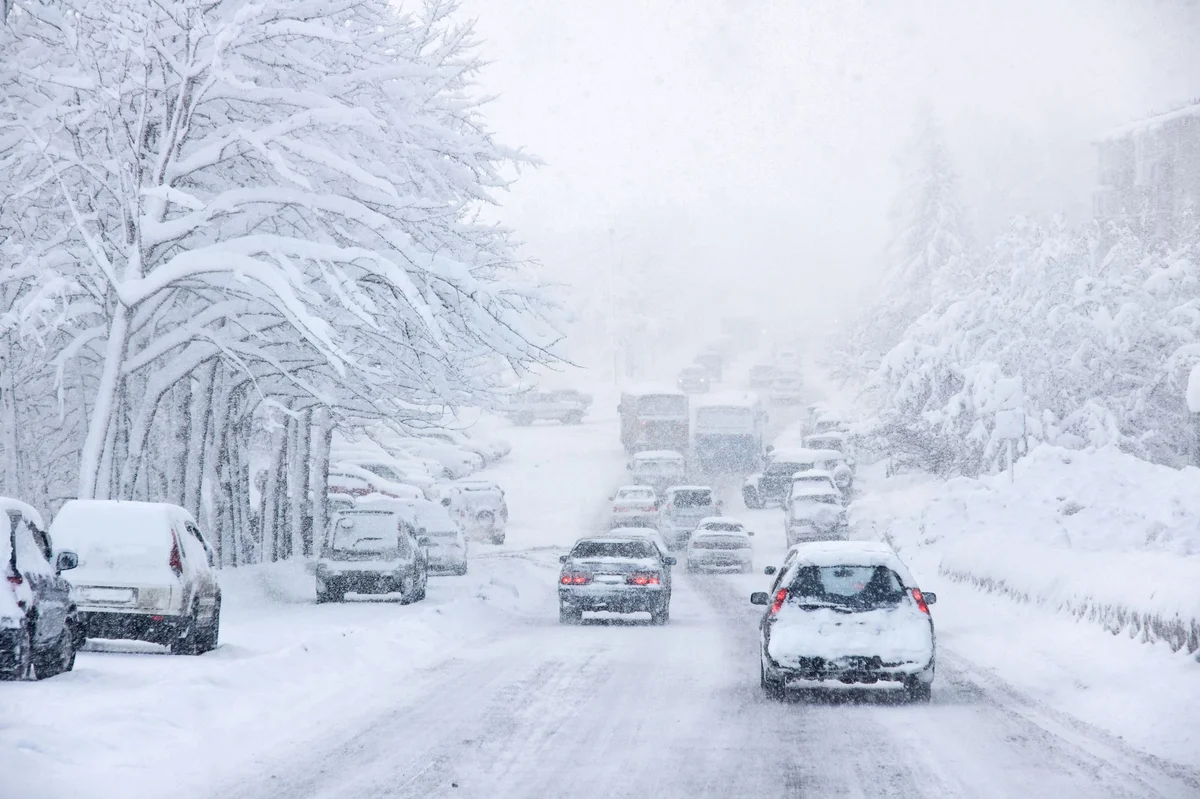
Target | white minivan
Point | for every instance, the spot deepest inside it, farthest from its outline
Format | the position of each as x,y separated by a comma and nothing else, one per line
145,573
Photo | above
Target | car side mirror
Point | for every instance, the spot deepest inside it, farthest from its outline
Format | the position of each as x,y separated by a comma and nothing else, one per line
770,570
760,598
66,561
670,561
929,597
563,558
750,533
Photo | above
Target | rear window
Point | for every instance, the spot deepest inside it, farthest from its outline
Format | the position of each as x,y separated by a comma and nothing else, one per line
859,587
636,494
785,468
613,549
662,405
698,498
731,527
375,533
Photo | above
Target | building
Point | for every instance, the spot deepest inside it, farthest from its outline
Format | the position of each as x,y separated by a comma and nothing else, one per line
1149,170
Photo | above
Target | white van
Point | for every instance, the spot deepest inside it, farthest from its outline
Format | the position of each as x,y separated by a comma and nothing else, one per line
145,573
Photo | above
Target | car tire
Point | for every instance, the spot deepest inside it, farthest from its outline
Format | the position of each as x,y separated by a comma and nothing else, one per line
424,589
212,631
61,658
661,615
189,642
330,594
751,499
918,692
498,539
569,615
23,667
772,689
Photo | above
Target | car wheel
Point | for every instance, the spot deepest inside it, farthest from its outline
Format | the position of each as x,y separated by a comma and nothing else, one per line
212,630
661,616
59,659
573,418
772,689
461,570
188,643
424,589
918,692
750,497
22,668
569,615
498,539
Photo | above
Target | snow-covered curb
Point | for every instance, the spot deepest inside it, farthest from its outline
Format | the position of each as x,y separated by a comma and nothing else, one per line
1099,535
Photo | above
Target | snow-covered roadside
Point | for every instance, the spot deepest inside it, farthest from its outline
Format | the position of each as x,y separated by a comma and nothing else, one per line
1012,569
130,721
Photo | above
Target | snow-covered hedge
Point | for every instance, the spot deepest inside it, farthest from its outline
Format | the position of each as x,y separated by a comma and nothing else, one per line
1099,534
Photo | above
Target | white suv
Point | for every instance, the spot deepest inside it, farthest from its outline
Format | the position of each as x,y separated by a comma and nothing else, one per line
145,572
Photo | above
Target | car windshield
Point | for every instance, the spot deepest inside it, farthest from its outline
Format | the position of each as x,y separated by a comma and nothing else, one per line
859,587
787,468
692,498
366,532
662,405
637,550
731,527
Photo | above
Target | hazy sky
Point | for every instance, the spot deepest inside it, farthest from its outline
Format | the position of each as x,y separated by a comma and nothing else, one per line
745,150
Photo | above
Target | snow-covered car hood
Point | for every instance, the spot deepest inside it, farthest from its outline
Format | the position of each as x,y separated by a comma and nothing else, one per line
898,635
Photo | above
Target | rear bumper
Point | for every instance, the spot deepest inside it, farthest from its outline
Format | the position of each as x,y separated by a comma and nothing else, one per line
848,670
725,561
447,564
626,518
362,582
618,599
154,628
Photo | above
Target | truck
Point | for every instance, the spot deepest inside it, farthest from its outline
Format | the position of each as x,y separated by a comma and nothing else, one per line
727,435
654,417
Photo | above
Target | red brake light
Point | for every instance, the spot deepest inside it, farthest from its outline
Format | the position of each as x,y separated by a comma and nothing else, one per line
15,579
175,562
780,598
642,579
575,578
921,605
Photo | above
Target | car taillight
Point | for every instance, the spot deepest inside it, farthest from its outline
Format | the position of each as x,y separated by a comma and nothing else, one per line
15,579
642,579
575,578
175,561
921,604
780,598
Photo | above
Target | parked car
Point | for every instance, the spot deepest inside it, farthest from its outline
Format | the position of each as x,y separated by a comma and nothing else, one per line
693,380
455,462
372,550
848,612
720,543
359,481
815,513
762,375
820,477
145,572
627,574
447,544
39,623
634,506
403,471
558,406
658,468
489,450
478,507
681,509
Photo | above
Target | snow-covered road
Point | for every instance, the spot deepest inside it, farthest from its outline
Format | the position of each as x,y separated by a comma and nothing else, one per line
479,692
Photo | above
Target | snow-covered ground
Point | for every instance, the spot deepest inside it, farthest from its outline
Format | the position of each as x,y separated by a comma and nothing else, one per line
479,692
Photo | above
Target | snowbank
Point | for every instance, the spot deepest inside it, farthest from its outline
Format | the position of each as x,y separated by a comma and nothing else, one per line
1097,534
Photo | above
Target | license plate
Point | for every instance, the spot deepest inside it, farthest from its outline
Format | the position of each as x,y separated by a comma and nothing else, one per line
611,579
116,595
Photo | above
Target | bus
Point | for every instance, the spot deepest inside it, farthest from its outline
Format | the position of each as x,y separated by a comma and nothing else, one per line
654,417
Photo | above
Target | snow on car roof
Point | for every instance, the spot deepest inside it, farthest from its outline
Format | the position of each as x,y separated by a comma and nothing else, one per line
28,511
690,488
720,520
812,474
658,455
638,488
851,553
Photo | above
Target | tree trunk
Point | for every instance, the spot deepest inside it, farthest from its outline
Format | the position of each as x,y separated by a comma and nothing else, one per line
180,453
320,481
8,396
102,411
301,515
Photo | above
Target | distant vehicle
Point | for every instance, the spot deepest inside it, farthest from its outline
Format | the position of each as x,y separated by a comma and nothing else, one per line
658,468
456,463
787,388
819,477
727,433
394,470
654,419
489,450
815,513
711,361
39,623
566,406
626,574
681,509
359,481
447,544
693,380
479,508
773,483
634,506
372,551
145,572
720,543
762,375
848,612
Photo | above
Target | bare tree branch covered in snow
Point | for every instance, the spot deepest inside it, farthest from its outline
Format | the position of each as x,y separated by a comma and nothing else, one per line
220,214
